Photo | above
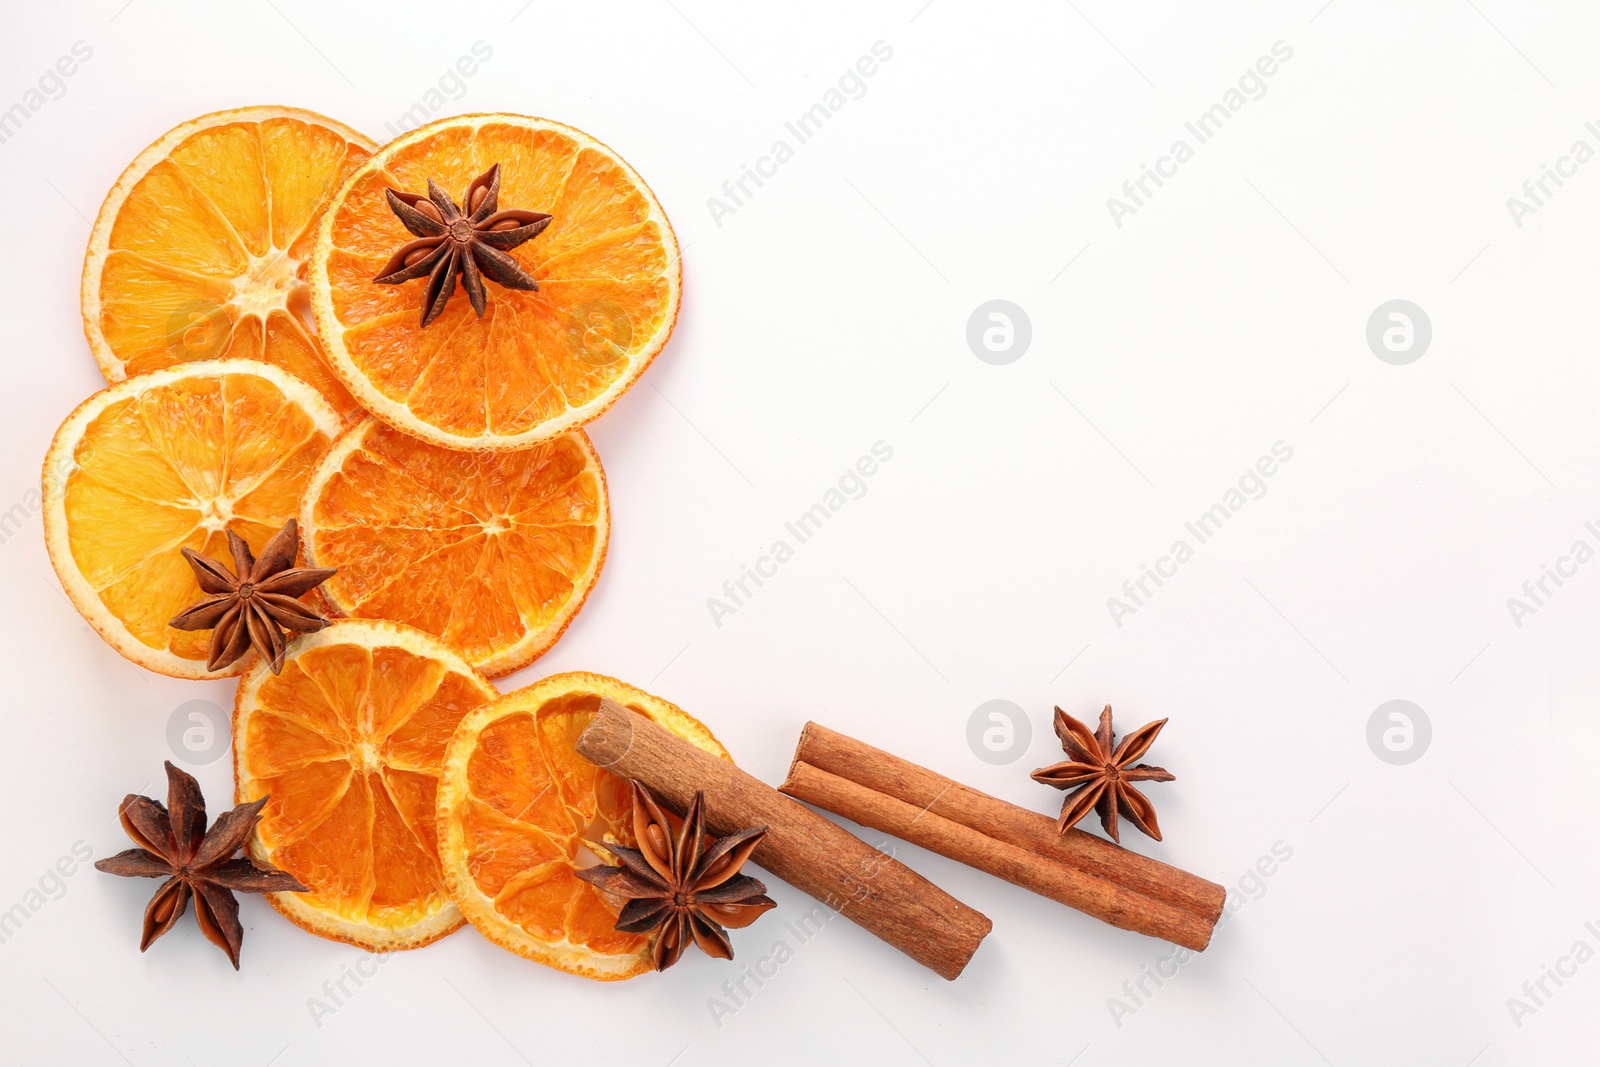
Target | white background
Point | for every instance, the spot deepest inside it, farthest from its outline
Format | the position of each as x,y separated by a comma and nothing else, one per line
829,312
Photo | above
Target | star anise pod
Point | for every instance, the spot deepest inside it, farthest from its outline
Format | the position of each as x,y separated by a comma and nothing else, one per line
256,601
681,882
1102,774
196,862
468,242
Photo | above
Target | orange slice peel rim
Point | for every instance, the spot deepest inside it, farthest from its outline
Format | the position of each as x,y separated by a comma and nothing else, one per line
457,801
331,329
63,460
277,269
441,917
504,658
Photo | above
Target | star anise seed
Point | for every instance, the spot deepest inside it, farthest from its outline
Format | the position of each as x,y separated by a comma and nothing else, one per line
253,604
1101,774
680,881
196,862
453,243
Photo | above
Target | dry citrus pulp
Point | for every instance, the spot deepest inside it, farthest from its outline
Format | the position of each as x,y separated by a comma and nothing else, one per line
200,248
537,363
166,461
516,802
347,742
493,551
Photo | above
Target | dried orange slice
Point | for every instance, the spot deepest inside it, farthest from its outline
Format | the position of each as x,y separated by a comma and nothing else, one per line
347,743
516,802
537,364
493,551
166,461
200,248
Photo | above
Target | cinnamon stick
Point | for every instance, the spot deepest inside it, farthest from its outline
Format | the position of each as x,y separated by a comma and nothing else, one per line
885,773
811,853
1094,896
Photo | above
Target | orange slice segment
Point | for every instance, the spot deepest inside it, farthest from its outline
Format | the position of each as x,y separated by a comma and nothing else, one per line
493,551
347,742
200,248
538,363
167,461
515,804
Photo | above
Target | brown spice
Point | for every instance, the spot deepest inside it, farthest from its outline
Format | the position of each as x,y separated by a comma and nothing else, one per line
196,862
1101,774
1107,901
924,791
809,852
453,243
681,882
253,604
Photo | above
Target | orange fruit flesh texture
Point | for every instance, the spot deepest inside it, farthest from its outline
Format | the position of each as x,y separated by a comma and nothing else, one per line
532,801
600,266
208,255
175,467
479,548
347,741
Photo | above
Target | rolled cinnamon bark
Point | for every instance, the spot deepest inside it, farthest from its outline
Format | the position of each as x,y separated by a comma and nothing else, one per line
921,788
1048,877
811,853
